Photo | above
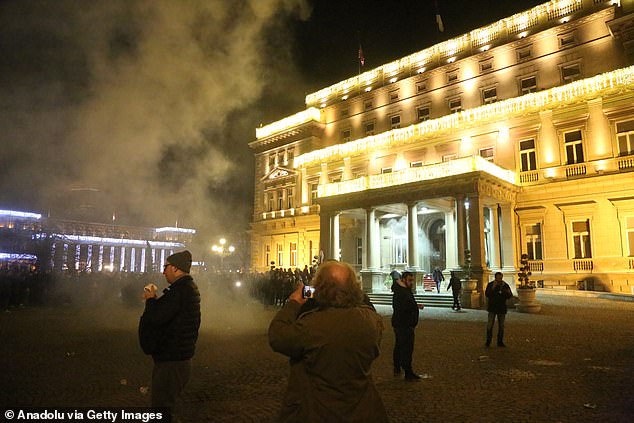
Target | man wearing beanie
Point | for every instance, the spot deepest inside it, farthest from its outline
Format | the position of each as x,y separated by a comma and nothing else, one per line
168,330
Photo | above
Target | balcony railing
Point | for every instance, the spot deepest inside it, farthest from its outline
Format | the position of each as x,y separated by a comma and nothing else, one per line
582,265
529,177
575,170
535,266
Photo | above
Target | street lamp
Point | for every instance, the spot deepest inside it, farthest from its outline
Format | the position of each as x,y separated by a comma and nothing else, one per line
222,251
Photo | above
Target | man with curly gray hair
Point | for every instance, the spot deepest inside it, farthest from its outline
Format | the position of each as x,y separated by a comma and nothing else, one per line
331,348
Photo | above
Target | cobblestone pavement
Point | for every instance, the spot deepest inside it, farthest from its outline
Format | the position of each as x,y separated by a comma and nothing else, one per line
573,362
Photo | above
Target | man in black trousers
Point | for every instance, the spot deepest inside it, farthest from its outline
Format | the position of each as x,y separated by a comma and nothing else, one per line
168,330
404,321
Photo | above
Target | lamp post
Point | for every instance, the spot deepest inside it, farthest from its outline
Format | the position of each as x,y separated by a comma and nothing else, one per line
222,251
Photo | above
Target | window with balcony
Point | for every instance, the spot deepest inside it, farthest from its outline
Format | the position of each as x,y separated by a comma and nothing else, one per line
423,113
570,73
395,121
528,156
270,202
455,105
489,95
625,137
534,241
581,239
293,254
574,147
528,85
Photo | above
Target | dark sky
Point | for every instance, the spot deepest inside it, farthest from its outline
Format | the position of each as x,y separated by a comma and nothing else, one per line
153,103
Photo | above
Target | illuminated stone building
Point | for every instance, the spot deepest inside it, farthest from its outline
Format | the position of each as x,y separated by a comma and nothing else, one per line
60,245
517,137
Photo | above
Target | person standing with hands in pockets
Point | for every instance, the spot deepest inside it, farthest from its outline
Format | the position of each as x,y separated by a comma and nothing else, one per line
497,292
404,321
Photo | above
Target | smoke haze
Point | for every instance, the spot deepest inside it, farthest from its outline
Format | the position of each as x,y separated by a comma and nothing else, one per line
152,103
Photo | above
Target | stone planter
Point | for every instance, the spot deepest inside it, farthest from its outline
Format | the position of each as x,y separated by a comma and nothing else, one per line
470,297
528,302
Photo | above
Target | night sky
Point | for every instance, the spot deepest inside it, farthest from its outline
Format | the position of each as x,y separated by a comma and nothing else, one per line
153,104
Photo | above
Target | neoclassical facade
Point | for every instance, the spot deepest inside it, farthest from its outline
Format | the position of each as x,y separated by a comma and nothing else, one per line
515,138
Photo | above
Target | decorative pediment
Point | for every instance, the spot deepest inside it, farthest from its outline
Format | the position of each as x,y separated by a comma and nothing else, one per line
279,172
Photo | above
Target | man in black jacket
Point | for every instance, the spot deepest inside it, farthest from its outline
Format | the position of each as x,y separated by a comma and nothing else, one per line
404,321
497,292
168,329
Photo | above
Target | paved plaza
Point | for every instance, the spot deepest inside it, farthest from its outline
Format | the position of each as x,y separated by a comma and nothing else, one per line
573,362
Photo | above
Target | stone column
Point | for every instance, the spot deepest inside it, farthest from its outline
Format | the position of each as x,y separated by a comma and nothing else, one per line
496,248
324,233
412,236
347,169
323,178
451,244
507,237
334,237
599,143
476,238
371,275
461,229
305,188
549,141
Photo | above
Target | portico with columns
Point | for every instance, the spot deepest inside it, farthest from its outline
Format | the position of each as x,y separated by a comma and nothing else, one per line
421,225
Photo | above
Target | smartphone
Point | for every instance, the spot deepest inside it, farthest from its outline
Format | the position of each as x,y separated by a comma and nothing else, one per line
308,291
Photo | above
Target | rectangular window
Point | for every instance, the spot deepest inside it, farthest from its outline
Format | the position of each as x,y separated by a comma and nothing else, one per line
449,157
574,147
534,241
280,255
281,160
455,105
359,250
625,137
289,198
393,96
344,112
280,199
487,153
416,164
570,73
272,160
271,202
581,239
345,135
421,87
423,113
527,155
367,105
290,156
386,170
452,76
293,255
486,65
629,233
314,190
395,122
489,95
267,255
369,128
528,85
524,53
566,40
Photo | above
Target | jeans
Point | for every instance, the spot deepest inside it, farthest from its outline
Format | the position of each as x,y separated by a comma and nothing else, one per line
168,380
403,348
491,321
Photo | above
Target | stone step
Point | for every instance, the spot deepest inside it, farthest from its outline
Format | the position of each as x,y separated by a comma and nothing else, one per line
429,300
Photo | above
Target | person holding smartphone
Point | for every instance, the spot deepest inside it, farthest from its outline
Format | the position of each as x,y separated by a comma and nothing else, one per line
331,344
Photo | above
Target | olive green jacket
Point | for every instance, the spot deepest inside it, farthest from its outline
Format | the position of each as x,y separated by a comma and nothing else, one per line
331,352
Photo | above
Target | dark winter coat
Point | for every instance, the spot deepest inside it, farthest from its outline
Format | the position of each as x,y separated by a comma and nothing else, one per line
168,329
331,351
405,314
455,285
497,296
